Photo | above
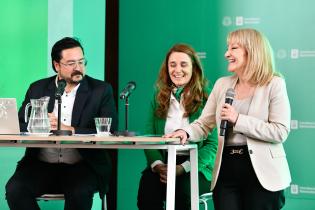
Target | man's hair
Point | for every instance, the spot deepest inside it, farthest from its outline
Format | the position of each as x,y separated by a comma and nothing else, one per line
59,46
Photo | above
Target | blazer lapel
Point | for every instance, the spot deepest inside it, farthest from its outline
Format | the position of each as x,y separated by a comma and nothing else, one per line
79,103
253,111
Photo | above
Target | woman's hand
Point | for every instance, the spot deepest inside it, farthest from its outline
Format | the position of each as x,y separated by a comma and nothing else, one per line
228,113
179,133
161,169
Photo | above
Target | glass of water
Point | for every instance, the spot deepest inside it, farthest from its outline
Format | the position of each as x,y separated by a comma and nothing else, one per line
102,125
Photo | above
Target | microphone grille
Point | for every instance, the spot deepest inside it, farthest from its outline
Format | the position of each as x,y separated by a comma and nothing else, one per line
230,93
62,83
133,84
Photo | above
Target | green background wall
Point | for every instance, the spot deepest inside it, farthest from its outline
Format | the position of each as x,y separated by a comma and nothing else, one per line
147,30
22,59
27,31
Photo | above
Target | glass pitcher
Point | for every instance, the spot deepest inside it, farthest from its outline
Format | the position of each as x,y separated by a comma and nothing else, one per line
38,121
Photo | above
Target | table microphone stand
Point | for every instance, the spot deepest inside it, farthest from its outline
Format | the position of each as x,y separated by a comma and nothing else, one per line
60,132
126,132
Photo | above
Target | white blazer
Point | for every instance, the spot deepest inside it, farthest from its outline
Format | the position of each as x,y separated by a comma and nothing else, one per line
266,127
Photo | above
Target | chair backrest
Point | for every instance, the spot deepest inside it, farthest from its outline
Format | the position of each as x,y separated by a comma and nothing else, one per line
204,198
50,197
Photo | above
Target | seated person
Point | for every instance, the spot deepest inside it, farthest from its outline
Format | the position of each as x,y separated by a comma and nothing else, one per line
180,96
77,173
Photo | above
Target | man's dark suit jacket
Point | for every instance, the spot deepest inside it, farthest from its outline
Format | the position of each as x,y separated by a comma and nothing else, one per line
94,98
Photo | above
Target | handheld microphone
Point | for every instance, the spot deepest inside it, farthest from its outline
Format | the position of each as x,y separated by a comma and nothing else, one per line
61,88
229,97
127,90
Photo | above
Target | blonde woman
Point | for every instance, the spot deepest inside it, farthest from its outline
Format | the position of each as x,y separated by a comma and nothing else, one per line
251,169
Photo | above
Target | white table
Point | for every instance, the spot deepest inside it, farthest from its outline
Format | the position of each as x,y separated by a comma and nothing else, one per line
118,142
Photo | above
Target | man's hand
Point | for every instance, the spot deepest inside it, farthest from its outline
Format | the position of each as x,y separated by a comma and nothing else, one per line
54,123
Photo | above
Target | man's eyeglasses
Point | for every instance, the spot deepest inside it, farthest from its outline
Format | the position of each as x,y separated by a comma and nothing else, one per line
72,64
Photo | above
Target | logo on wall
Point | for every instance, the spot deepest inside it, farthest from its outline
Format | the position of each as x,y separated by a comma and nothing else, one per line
294,189
240,20
202,55
281,54
296,53
227,21
295,124
298,190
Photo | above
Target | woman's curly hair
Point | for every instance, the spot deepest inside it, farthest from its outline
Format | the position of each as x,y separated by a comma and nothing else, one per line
194,92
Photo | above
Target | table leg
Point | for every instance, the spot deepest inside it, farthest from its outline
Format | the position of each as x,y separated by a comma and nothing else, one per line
194,184
171,173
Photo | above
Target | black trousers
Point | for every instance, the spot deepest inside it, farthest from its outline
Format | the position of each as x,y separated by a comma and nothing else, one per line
238,188
152,192
77,182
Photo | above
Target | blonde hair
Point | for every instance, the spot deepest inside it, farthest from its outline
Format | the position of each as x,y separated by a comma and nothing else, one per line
260,67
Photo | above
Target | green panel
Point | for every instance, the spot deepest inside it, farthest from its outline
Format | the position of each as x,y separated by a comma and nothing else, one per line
147,30
23,58
89,27
23,44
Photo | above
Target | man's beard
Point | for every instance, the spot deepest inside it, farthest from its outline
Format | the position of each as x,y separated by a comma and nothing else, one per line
76,77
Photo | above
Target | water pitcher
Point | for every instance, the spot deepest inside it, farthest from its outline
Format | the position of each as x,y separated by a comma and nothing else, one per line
38,121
